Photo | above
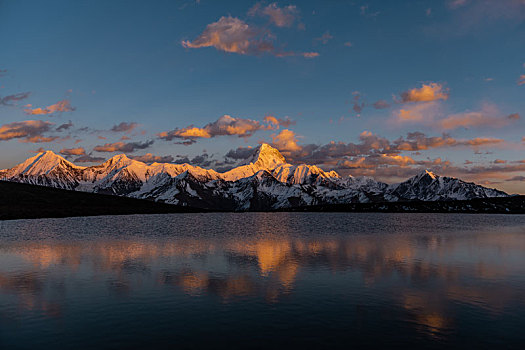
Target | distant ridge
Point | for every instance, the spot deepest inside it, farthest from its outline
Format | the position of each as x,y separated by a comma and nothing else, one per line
265,181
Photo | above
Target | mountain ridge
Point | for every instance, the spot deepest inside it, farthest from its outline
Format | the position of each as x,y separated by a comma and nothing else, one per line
265,180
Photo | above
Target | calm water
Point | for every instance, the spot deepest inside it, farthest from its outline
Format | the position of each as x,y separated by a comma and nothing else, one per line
256,280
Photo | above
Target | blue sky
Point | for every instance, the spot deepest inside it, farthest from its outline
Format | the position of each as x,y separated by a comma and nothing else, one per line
448,70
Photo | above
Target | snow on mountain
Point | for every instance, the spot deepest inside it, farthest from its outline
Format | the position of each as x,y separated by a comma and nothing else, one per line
46,169
265,181
426,186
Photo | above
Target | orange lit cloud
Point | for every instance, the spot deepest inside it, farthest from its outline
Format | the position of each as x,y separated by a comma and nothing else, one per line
276,123
426,93
418,113
39,139
28,129
488,116
73,151
430,114
225,125
285,141
521,80
60,106
231,34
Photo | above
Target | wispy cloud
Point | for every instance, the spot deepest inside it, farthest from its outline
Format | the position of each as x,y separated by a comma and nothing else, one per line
488,116
325,38
123,147
381,104
280,16
89,159
151,158
11,100
430,114
357,105
124,127
231,34
65,126
60,106
517,178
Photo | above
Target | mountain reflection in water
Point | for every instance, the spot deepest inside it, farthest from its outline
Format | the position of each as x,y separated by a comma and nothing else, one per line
413,279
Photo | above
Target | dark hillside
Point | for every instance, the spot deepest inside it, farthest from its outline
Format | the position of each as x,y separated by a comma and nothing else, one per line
22,201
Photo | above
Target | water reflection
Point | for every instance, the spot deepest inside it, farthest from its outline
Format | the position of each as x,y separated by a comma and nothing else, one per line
431,282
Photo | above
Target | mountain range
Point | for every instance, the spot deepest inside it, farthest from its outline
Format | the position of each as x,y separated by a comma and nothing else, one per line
265,181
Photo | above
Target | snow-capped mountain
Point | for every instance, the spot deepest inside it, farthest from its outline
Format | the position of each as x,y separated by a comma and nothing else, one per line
265,181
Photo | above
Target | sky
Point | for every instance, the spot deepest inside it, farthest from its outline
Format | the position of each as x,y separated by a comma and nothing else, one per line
375,88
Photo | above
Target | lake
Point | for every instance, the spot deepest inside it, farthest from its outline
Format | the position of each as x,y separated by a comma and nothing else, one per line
259,280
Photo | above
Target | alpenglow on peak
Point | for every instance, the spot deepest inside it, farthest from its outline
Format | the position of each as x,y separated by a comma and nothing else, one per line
265,156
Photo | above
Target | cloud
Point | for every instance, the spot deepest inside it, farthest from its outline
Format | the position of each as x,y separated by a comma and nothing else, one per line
240,153
428,113
39,139
10,100
364,11
202,160
521,80
357,105
225,125
310,54
89,159
454,4
488,116
275,123
73,151
64,126
381,104
60,106
123,147
325,38
280,16
151,158
231,34
516,178
31,130
418,113
417,141
124,127
470,15
369,145
285,141
426,93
